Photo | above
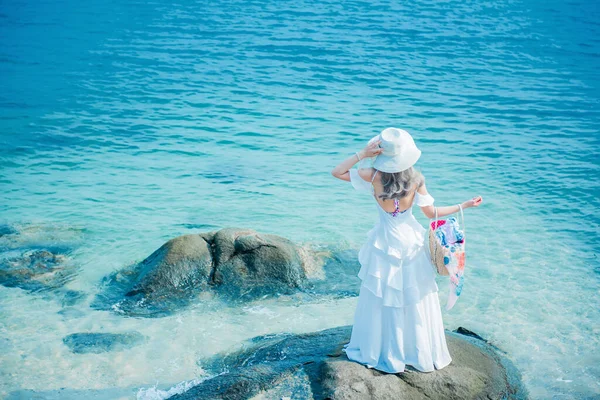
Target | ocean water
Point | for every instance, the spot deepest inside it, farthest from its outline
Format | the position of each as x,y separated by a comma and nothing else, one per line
126,123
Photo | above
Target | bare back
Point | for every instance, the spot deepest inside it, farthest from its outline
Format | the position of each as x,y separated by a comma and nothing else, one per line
388,205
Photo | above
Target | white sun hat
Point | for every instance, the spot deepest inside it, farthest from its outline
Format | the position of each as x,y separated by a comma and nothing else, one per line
399,150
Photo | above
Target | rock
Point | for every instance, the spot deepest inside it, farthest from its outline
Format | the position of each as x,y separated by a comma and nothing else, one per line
74,394
313,366
339,274
54,238
70,297
179,264
235,264
71,313
35,270
36,258
248,264
7,230
82,343
466,332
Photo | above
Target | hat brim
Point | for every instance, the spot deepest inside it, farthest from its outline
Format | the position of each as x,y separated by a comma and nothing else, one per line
373,139
397,163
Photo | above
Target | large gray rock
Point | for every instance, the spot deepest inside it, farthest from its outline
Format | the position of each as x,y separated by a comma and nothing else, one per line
235,264
179,264
313,366
248,264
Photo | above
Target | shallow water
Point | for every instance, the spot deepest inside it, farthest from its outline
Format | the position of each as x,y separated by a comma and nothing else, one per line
124,124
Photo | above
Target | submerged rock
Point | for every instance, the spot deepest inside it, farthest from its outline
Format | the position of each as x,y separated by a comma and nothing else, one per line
313,366
235,264
82,343
7,230
74,394
36,258
337,273
71,313
35,269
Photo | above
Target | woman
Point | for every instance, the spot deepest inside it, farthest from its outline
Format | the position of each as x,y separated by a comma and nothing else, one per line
398,319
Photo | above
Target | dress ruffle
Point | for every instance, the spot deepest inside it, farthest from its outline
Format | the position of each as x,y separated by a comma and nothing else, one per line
389,338
398,320
395,264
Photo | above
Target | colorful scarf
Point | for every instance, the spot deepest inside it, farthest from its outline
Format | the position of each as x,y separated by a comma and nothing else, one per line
453,240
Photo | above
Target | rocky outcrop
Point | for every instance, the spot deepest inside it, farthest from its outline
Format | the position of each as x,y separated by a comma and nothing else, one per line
179,265
313,366
248,264
236,264
96,342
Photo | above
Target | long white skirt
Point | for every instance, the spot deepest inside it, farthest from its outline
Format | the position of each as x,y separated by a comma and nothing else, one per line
388,338
398,319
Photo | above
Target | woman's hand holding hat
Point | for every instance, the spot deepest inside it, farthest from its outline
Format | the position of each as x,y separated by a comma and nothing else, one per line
341,171
371,150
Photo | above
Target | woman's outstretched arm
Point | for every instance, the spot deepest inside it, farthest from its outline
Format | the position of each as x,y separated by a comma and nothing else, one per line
429,211
341,171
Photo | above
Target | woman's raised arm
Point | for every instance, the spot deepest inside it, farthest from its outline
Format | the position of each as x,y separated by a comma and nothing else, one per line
341,170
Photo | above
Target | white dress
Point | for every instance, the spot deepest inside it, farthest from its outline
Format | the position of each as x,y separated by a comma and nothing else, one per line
398,318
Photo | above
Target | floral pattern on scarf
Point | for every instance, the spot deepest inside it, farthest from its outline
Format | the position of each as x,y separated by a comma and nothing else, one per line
453,240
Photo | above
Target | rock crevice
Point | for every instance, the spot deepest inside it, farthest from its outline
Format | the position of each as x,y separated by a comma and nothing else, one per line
235,264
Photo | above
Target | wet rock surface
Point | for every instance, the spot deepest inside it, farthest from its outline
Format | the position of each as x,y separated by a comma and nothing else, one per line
313,366
234,264
94,342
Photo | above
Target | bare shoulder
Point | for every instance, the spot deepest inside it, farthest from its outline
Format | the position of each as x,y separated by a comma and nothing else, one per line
366,173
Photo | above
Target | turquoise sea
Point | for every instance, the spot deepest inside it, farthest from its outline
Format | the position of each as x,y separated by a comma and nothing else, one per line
126,123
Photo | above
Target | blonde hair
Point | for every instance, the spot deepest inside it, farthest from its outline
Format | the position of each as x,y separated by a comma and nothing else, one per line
397,185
